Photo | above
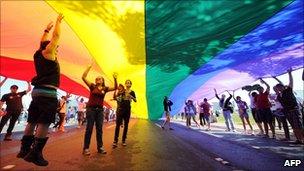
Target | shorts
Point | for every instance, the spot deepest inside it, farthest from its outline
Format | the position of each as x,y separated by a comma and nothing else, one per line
256,116
207,117
266,115
42,110
295,118
244,115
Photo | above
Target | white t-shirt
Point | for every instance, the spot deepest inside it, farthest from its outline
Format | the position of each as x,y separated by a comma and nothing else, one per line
252,104
275,103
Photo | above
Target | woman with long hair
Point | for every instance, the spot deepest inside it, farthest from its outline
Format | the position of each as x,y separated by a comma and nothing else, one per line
94,112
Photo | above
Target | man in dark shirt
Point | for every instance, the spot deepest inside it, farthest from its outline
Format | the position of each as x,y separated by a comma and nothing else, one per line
167,108
13,102
291,108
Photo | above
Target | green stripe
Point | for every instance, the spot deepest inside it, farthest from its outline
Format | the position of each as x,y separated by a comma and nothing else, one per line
183,35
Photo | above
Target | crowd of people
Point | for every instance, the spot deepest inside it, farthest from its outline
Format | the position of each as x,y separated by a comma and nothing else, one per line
266,110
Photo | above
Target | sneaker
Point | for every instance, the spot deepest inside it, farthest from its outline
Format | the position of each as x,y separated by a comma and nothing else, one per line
101,150
114,144
124,144
227,130
86,152
171,129
234,130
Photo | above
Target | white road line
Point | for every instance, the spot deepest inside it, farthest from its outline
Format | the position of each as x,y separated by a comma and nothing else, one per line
256,147
8,167
157,125
225,162
219,159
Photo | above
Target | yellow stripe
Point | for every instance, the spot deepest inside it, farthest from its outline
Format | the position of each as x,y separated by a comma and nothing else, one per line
114,33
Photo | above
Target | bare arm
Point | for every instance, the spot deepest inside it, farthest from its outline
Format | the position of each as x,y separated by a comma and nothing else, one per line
84,76
249,93
2,82
49,52
279,81
46,32
29,87
115,83
267,85
232,95
216,94
1,104
115,95
290,78
134,98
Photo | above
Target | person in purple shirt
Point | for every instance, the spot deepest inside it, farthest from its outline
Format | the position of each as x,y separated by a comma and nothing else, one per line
242,106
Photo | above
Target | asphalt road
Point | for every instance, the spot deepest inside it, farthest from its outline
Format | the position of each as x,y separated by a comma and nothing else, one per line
151,148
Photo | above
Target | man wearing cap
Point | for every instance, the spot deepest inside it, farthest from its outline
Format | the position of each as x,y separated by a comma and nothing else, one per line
13,102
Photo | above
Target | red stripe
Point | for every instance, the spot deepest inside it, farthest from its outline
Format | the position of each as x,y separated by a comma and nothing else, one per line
24,70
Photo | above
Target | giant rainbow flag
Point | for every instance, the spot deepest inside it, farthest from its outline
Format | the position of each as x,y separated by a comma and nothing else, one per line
180,49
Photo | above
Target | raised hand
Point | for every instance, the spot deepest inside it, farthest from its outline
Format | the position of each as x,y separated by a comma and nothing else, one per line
91,63
60,17
49,26
115,75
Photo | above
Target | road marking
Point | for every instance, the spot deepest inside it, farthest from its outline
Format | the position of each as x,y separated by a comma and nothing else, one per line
219,159
225,162
256,147
157,125
8,167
